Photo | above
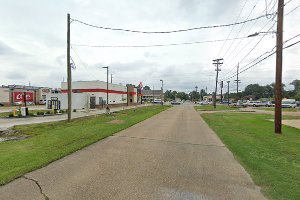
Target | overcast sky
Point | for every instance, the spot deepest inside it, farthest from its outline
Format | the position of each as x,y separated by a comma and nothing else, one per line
33,41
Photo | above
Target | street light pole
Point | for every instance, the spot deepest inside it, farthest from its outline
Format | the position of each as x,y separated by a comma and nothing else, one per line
107,108
228,92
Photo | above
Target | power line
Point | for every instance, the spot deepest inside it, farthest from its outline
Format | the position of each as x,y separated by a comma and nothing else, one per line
232,42
251,49
173,31
245,69
233,27
157,45
292,10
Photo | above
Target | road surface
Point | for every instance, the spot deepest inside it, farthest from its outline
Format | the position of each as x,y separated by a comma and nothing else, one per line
171,156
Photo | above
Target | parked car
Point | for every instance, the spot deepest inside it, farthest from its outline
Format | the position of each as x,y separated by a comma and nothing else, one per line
264,103
157,101
288,103
175,103
254,103
203,103
225,102
271,103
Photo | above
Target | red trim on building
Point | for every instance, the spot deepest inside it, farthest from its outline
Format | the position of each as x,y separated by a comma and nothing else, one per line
94,90
132,93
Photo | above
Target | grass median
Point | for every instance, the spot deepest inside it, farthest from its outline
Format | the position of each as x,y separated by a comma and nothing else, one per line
272,160
218,108
48,142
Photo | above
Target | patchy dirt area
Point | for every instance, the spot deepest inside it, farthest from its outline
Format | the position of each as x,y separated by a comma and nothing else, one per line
9,135
116,121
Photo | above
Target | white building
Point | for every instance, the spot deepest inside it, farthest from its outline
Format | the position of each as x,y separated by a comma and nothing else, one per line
93,94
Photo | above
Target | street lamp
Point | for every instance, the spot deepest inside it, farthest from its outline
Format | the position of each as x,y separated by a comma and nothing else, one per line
107,108
257,33
162,90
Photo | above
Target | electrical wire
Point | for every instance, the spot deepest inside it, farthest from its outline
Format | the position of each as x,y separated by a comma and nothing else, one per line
292,10
157,45
245,69
173,31
233,27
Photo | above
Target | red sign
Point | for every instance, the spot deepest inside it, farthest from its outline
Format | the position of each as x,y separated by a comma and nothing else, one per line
18,96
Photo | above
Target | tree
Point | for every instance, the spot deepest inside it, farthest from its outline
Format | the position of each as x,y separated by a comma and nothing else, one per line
296,84
195,96
254,89
146,87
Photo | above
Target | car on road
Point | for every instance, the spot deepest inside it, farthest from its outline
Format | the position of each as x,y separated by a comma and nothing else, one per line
271,104
225,102
203,103
175,103
157,101
254,103
288,103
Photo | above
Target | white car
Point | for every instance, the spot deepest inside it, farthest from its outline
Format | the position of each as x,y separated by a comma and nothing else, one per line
254,103
203,103
158,101
288,103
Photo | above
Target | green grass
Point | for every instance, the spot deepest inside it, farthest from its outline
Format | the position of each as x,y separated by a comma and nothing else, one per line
283,109
272,160
6,114
218,108
51,141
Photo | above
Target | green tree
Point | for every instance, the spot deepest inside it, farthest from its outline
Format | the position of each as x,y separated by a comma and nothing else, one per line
146,87
296,84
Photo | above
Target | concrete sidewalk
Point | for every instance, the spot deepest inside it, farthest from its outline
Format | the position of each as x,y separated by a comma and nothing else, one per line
171,156
10,122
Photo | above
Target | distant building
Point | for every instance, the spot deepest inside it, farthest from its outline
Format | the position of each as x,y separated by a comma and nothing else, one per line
209,98
92,95
150,95
14,94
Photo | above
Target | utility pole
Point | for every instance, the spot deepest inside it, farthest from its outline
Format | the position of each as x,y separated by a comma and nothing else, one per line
237,80
278,81
153,94
111,78
196,87
162,90
107,108
221,86
228,92
69,74
217,62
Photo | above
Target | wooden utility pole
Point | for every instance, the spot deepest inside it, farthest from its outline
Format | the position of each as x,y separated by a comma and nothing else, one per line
217,63
111,78
237,80
221,86
228,92
278,81
69,73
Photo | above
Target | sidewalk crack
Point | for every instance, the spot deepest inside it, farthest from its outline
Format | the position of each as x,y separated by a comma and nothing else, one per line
39,186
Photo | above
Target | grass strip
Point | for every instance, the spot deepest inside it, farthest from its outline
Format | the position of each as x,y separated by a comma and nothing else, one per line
272,160
48,142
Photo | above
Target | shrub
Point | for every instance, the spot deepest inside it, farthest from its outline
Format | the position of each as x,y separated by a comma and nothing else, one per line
11,115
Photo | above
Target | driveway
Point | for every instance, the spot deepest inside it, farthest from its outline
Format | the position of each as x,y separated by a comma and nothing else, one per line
171,156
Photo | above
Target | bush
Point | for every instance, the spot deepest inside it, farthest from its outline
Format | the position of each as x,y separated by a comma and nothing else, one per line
48,112
74,110
11,115
30,114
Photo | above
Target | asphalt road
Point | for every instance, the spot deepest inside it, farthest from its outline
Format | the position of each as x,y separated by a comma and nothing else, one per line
171,156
